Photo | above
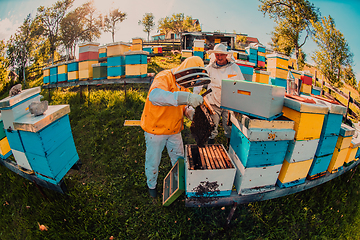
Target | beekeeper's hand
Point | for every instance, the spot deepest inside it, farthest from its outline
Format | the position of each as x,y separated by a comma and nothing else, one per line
189,112
186,98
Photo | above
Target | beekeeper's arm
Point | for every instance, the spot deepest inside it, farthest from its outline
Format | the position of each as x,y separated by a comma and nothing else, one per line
160,97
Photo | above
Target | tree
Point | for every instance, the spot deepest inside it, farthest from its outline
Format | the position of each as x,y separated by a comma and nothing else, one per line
111,20
91,22
178,23
293,17
333,52
50,18
71,28
148,23
349,76
4,63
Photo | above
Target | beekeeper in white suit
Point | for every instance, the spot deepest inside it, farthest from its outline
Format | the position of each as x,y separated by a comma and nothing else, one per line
162,118
221,66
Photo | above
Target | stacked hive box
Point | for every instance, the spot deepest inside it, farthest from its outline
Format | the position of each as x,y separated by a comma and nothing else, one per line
62,73
247,69
252,54
53,74
354,146
148,49
46,75
308,118
73,71
243,56
296,74
306,79
199,48
277,65
99,71
5,150
48,142
258,148
137,44
341,149
316,90
261,76
115,61
261,56
212,176
328,138
13,108
254,99
88,55
186,53
135,64
102,52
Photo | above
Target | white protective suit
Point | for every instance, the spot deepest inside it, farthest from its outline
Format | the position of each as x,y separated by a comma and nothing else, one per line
217,74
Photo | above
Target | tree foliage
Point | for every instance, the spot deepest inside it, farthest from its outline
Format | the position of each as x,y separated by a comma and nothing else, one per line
50,18
91,22
333,52
71,28
148,23
177,23
111,19
293,17
4,63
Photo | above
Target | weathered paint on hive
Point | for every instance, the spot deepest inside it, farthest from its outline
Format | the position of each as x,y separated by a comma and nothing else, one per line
294,171
301,150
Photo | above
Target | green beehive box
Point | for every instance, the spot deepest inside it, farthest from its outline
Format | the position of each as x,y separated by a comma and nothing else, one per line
99,71
174,183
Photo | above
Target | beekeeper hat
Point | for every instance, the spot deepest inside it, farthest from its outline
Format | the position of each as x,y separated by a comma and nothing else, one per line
219,48
191,73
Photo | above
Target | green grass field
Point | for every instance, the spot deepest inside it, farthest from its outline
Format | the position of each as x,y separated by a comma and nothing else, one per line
108,195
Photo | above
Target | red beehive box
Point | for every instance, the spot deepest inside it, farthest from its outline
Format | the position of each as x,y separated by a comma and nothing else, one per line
306,78
88,56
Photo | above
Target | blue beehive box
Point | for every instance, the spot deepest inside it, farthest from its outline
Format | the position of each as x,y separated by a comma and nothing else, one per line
262,58
251,50
259,142
62,77
73,66
320,165
116,71
278,82
115,61
199,54
48,142
136,57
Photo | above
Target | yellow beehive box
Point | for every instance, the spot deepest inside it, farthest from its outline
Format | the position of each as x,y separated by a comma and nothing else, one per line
186,53
294,171
46,72
262,54
198,49
261,76
73,75
217,40
136,47
116,49
135,69
278,72
343,142
85,74
102,49
305,88
277,60
86,65
116,77
296,74
337,159
350,156
4,146
307,125
62,69
137,41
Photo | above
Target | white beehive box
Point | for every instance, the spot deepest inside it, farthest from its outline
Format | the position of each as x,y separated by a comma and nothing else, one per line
255,99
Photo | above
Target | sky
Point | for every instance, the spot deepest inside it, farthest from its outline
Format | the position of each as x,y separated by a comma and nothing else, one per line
241,16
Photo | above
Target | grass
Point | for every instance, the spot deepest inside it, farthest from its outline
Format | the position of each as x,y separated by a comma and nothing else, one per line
108,196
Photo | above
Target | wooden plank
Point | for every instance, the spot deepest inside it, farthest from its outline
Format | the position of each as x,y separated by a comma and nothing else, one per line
128,123
204,154
211,159
191,160
225,156
219,157
278,192
214,158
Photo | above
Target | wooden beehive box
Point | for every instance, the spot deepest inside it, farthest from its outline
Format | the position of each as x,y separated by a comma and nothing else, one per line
337,160
255,99
277,72
293,173
117,48
48,142
306,89
306,78
99,71
86,70
246,68
301,150
252,180
186,53
296,73
46,75
5,150
258,142
72,66
277,60
135,57
308,117
261,76
319,166
209,171
53,74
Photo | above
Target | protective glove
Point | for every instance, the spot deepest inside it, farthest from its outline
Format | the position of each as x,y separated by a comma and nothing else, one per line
186,98
189,112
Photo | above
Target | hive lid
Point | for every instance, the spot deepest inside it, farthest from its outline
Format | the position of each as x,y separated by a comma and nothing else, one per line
305,107
245,63
30,123
346,131
136,53
89,43
355,141
277,55
332,107
117,43
26,93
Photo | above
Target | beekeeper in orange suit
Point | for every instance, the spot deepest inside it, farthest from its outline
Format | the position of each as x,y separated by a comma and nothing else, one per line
221,66
162,118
